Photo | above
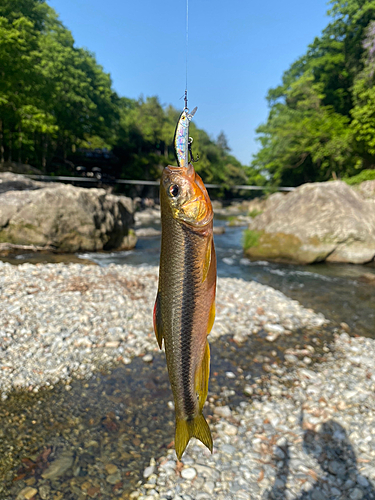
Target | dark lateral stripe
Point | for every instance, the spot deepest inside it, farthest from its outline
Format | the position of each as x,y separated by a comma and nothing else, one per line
187,319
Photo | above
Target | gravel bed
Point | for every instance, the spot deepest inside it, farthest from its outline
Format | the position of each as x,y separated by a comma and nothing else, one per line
311,436
58,321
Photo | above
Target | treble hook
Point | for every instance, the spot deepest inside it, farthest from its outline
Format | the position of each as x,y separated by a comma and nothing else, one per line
190,142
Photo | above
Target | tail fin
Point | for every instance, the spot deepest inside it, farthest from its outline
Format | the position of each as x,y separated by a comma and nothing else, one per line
186,429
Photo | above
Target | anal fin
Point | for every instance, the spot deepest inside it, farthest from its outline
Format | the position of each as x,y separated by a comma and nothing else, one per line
211,317
202,376
158,327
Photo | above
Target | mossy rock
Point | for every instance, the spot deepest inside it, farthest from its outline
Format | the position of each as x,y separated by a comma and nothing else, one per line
285,248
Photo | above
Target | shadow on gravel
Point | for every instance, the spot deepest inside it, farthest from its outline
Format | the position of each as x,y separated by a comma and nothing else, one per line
336,457
95,438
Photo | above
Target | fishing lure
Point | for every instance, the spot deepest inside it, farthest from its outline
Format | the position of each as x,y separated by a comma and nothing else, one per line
182,141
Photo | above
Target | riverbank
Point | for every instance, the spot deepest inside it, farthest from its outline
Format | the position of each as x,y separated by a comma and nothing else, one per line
60,321
284,426
311,435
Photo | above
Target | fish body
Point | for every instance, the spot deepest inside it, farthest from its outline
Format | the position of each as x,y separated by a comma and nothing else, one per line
181,137
185,305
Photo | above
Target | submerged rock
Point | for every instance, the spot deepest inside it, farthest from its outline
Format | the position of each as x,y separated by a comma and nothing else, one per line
63,217
316,222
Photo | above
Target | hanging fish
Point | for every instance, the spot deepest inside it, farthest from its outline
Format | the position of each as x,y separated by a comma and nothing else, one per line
184,311
181,137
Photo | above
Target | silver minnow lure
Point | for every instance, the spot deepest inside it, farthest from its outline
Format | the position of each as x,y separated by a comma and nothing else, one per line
181,137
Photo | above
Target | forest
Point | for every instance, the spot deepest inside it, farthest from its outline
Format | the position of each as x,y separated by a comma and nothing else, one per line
321,123
57,101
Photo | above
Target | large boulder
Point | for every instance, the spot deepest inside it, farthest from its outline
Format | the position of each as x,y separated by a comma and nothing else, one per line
315,222
63,217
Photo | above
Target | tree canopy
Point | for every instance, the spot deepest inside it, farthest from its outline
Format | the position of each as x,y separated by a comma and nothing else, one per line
321,122
55,99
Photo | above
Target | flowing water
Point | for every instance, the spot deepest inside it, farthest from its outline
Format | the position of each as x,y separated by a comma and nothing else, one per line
338,291
119,420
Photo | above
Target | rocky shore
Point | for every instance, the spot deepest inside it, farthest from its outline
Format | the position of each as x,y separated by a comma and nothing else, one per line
303,430
310,436
59,321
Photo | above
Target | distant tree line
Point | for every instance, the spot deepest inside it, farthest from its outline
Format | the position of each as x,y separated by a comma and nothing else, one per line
55,99
321,123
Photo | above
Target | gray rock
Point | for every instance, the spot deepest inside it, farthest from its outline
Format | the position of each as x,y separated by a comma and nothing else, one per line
223,411
59,466
356,494
44,492
228,448
114,478
320,221
78,219
148,471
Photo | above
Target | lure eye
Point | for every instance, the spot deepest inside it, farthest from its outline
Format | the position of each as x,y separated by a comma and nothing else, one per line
174,190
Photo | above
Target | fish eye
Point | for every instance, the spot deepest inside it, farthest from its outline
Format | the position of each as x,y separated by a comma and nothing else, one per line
174,190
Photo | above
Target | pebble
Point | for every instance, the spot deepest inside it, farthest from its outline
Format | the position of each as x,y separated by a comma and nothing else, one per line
222,411
114,478
64,320
27,493
59,466
356,494
148,471
147,358
306,445
111,468
188,473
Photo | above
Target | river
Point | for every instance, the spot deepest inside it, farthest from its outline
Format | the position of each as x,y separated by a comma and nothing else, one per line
337,291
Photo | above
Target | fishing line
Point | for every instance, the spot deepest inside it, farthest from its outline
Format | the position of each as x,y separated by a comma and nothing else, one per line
187,46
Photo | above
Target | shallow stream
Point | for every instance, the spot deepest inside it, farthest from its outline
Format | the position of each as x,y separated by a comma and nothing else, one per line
121,419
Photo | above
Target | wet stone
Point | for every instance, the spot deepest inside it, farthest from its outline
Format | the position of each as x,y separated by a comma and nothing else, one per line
114,478
111,468
27,493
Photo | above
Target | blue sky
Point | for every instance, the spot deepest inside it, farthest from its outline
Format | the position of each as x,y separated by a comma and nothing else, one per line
238,49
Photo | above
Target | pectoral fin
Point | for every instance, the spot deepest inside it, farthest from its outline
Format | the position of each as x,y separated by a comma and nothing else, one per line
158,327
202,376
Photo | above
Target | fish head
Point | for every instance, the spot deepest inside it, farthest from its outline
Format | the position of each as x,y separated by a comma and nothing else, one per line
183,191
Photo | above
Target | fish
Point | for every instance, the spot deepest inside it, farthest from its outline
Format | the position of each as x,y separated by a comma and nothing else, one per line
181,137
184,310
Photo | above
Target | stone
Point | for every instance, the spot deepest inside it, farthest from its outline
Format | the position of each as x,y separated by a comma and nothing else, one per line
248,390
362,481
228,448
147,358
209,487
188,473
315,222
114,478
222,411
27,493
79,219
111,468
230,430
44,492
59,466
356,494
148,471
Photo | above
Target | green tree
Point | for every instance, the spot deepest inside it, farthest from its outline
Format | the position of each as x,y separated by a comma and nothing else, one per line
308,135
